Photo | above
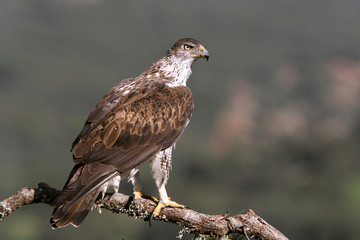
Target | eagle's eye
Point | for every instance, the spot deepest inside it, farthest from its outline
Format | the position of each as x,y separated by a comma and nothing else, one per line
187,47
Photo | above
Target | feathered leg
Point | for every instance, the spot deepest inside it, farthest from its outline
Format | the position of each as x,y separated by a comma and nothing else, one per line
161,166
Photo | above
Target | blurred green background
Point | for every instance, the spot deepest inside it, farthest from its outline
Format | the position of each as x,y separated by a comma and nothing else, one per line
275,126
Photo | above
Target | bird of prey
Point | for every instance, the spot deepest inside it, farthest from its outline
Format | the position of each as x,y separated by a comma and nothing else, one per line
137,120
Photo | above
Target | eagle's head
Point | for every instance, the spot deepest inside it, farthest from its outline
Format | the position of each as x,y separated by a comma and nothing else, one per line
188,49
175,66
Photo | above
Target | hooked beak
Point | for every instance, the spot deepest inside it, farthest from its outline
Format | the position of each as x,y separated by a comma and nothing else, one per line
204,53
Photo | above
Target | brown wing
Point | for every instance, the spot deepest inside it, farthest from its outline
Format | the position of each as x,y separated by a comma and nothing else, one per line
130,125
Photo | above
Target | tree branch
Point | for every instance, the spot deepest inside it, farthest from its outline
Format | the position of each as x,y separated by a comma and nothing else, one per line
193,222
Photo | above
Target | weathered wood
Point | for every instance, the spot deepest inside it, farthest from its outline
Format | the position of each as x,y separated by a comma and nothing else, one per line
193,222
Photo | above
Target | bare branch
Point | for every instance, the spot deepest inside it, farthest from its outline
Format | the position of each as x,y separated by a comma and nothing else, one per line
193,222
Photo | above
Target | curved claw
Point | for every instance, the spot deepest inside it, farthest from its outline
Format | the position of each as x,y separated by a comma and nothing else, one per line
143,195
162,205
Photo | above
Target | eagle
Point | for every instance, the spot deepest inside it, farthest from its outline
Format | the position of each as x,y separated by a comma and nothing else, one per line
138,120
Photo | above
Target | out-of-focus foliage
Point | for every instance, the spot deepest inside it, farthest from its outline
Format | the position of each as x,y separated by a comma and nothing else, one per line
276,120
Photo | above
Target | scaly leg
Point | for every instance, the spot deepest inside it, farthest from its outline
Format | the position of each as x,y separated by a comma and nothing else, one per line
165,202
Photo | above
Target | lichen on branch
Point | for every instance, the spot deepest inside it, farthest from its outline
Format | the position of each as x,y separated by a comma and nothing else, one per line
248,223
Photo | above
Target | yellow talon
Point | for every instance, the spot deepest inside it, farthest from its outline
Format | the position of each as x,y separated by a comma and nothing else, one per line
162,205
143,195
158,208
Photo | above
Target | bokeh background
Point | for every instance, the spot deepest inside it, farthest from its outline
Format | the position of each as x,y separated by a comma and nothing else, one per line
276,125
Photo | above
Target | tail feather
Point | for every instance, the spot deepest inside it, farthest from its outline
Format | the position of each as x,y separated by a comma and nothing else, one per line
79,194
73,214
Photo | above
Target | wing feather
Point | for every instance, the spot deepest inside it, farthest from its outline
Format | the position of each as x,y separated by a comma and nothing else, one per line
124,130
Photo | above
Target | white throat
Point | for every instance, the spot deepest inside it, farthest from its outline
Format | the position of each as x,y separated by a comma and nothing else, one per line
177,69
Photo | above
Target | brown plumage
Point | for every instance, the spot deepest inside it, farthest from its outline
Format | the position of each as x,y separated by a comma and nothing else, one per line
137,120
